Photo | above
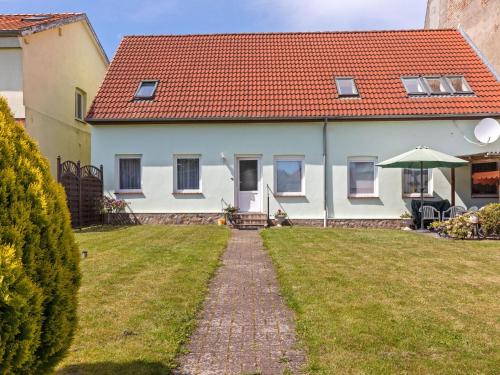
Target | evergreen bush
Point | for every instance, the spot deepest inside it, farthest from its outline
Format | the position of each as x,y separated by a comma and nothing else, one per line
39,259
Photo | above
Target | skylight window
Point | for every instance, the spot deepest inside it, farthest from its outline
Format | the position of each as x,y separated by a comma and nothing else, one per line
427,86
414,86
36,18
437,85
146,90
459,85
346,87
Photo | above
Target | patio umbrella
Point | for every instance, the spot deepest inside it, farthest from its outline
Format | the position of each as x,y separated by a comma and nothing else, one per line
423,157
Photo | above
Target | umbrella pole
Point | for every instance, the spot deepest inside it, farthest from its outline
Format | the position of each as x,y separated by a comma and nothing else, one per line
421,195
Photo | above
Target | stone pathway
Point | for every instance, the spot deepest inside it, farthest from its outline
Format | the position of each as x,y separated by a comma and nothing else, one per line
244,328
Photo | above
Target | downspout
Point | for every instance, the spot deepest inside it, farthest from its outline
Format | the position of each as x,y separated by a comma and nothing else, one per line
325,170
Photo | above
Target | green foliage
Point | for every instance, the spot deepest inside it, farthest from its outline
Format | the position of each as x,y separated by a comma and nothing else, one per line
489,217
39,260
462,227
459,227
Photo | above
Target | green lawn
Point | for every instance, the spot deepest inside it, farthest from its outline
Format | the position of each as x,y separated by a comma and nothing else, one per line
141,289
391,302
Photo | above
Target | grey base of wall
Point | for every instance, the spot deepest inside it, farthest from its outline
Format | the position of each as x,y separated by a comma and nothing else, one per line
211,218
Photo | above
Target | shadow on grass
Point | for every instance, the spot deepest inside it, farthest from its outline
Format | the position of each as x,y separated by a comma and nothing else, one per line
112,368
101,228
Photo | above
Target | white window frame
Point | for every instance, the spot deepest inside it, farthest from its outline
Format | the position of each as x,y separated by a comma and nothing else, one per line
188,156
140,97
356,159
421,83
442,80
353,95
448,81
83,95
430,185
299,158
117,173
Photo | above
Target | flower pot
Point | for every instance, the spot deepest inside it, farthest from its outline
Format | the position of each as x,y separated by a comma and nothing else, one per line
280,220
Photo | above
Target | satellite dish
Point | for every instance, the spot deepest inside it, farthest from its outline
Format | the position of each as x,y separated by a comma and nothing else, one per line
487,131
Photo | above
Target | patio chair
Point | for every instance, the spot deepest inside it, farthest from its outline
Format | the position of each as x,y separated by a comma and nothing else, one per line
453,212
473,209
430,213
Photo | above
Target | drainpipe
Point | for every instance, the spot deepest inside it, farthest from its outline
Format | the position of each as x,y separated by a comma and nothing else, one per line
325,170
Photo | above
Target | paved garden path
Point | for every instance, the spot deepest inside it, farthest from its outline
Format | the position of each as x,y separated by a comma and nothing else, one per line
244,328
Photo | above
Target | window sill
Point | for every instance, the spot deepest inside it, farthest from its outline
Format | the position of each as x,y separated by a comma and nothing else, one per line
484,196
192,192
363,196
82,121
290,195
411,196
128,192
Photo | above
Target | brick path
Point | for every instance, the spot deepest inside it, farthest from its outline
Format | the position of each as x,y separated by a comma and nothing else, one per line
244,328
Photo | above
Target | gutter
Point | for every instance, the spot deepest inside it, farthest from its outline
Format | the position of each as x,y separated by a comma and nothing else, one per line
325,173
115,121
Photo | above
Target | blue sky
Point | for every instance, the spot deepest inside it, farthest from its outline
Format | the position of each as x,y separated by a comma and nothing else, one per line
114,18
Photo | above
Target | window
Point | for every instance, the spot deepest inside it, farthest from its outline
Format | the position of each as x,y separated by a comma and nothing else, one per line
425,86
414,86
129,173
289,175
346,87
80,104
459,85
362,177
146,90
411,182
437,86
187,174
36,18
484,178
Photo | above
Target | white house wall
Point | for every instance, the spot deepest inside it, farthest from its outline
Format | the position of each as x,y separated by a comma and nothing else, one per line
386,139
158,143
383,139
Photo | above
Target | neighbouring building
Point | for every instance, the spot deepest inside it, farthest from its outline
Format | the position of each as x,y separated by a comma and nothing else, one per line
51,66
187,124
480,19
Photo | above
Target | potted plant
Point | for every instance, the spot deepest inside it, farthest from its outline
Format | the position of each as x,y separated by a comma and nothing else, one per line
280,217
408,218
229,212
110,205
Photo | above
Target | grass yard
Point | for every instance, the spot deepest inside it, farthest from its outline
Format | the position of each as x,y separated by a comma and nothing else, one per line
391,302
141,289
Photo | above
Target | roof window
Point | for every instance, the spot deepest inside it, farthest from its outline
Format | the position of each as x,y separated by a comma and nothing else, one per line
36,18
437,86
427,86
146,90
346,86
414,86
459,85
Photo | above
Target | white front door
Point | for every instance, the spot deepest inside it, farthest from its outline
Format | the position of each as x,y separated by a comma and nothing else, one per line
248,185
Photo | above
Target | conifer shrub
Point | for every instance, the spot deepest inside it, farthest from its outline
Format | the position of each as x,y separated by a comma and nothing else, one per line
39,259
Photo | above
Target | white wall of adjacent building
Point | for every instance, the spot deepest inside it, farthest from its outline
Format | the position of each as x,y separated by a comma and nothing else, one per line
157,145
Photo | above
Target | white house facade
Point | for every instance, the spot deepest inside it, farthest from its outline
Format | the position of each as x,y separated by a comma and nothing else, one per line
319,168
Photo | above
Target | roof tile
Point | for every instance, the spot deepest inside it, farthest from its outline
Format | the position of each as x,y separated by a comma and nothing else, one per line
290,75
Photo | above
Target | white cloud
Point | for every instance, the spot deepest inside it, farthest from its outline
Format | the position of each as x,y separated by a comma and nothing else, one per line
342,14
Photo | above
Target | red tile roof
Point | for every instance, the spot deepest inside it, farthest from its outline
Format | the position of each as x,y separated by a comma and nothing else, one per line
18,23
291,75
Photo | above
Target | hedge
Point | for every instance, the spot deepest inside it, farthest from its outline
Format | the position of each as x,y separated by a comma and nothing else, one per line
39,259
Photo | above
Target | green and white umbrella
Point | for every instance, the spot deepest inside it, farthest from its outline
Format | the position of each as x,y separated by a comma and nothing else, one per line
423,157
